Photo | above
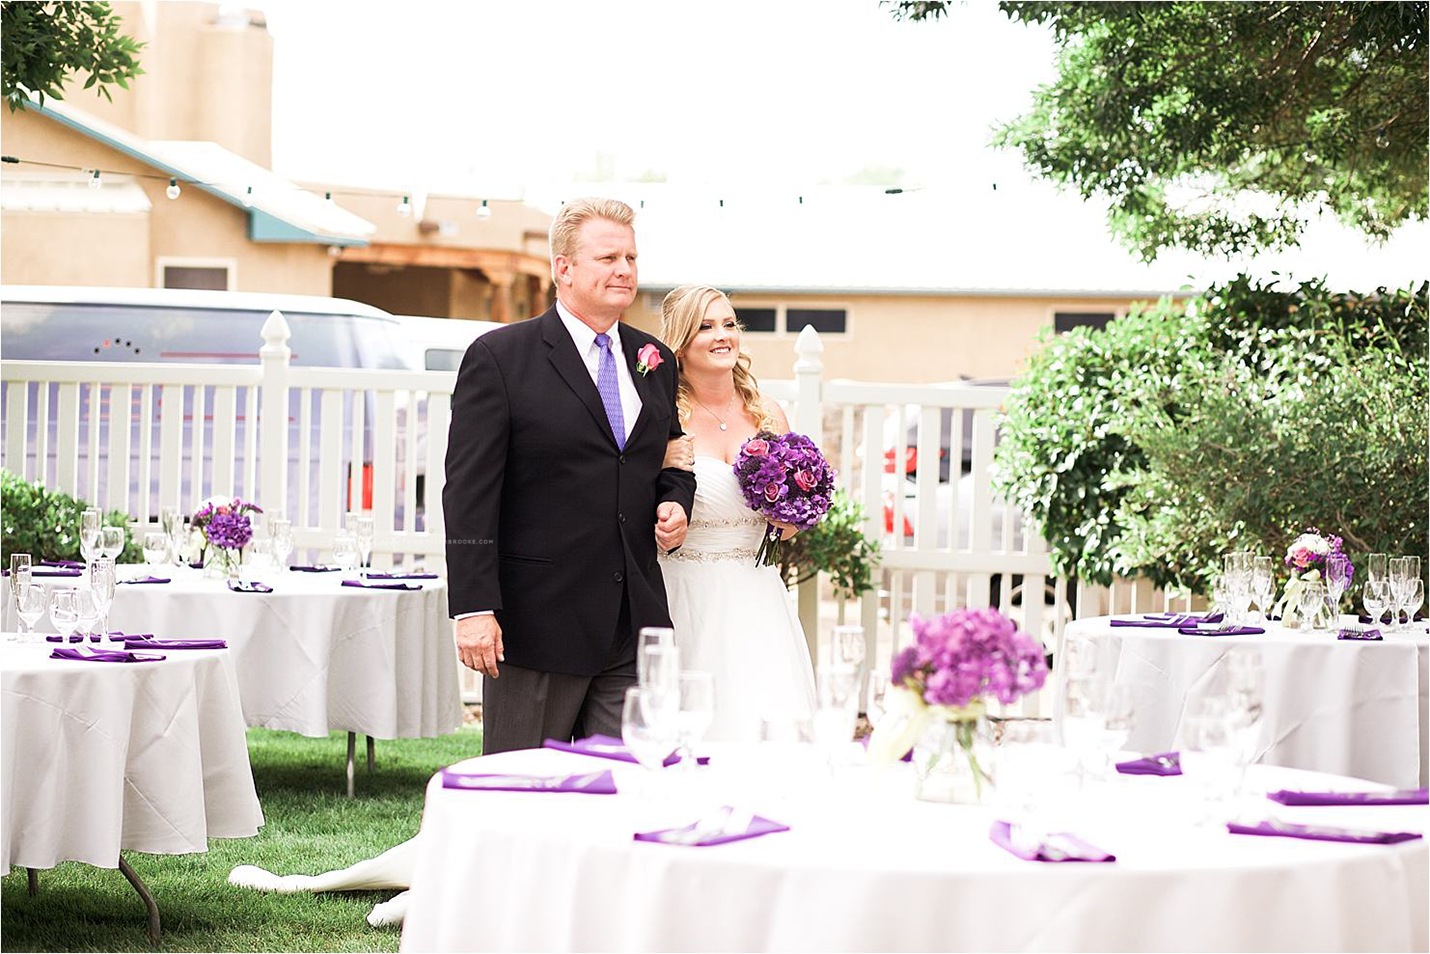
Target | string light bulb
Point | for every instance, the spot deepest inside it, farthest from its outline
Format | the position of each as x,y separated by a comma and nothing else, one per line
484,211
248,197
404,208
94,182
328,199
173,190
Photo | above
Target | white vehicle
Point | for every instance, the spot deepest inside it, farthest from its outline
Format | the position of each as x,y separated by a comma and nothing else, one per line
437,344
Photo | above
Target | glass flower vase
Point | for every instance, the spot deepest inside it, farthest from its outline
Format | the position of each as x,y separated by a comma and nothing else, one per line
953,759
222,563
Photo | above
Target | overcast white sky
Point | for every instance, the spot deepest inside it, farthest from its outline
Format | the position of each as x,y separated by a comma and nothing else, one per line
755,101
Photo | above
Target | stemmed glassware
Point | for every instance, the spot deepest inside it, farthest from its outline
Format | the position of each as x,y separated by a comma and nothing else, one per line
282,530
64,610
847,646
649,727
86,612
1236,580
30,606
111,543
1312,603
1209,751
1402,571
90,538
875,692
174,526
345,550
1414,598
1377,570
1375,595
1082,721
1337,577
102,577
19,574
697,712
1263,582
837,709
156,547
365,531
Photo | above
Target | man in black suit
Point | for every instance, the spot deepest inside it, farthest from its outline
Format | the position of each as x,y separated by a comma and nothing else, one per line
556,498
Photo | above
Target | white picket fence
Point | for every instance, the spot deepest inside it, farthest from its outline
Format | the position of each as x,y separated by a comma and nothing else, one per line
316,442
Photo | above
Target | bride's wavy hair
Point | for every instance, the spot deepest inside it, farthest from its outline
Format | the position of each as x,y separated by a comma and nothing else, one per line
680,317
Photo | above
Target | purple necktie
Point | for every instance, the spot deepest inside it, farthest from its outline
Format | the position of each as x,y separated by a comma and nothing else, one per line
610,390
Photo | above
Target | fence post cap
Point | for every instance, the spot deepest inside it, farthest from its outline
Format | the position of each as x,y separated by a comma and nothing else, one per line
808,342
275,330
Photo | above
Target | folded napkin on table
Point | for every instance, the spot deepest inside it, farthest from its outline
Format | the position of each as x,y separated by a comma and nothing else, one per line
103,655
148,579
1219,631
1420,617
1370,634
53,571
719,828
1050,847
73,638
1401,796
1164,763
117,637
402,576
593,783
175,644
1360,836
238,586
65,564
383,586
1169,620
316,569
606,747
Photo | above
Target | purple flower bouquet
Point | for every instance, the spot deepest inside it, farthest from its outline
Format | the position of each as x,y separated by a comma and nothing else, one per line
784,478
1313,557
226,528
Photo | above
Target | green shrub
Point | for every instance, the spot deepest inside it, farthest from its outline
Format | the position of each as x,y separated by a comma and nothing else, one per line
45,523
836,546
1178,432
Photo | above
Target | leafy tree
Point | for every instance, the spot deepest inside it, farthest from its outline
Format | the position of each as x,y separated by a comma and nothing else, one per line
41,42
837,546
1178,112
45,523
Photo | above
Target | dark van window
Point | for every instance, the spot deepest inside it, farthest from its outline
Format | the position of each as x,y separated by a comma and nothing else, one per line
34,331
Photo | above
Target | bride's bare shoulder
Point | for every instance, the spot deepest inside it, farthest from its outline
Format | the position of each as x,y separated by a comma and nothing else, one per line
776,413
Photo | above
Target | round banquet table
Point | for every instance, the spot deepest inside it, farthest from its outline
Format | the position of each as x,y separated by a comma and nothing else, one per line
313,656
865,867
1345,707
147,756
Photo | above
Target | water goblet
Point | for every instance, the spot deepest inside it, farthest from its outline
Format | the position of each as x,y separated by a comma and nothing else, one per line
90,539
345,551
258,561
1414,597
102,577
366,527
649,728
847,646
697,712
1311,602
112,542
282,530
1375,595
64,610
30,606
156,547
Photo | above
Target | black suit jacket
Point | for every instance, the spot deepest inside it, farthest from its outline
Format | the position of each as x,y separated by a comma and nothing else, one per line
548,523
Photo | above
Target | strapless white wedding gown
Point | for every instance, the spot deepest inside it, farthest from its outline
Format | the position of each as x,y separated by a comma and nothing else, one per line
733,619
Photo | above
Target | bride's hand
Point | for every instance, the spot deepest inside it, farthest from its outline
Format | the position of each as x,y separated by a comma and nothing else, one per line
680,453
787,530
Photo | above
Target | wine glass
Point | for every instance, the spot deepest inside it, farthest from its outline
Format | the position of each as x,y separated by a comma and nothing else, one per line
30,606
365,530
847,646
102,577
1375,595
1311,601
1402,571
697,712
1209,750
874,694
282,530
64,610
1414,597
657,658
1263,582
1338,577
90,539
649,728
20,572
112,542
156,547
178,535
86,612
837,694
345,551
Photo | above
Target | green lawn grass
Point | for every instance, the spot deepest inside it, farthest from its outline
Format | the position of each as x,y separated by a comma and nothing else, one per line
311,827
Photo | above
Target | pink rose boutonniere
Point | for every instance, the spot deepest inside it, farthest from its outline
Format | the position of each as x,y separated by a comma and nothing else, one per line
647,358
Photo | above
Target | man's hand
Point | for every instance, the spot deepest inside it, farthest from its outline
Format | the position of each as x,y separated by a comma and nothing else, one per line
670,525
680,453
479,643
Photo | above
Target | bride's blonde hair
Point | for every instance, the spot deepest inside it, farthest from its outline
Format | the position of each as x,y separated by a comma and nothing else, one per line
680,317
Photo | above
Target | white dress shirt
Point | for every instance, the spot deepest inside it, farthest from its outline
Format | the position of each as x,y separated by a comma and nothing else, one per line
585,340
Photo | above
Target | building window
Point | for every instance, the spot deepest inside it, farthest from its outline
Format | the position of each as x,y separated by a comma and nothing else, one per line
757,319
200,274
826,321
1065,321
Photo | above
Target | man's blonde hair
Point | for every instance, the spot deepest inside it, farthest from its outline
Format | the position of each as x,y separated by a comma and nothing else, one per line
578,212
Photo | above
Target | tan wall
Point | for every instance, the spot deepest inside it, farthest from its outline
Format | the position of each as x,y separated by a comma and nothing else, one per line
906,339
41,248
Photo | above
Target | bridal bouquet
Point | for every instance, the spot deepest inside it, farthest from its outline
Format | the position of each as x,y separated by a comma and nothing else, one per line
1307,558
784,477
936,694
221,531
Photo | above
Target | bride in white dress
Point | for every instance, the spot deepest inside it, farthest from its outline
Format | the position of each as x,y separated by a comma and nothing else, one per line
733,619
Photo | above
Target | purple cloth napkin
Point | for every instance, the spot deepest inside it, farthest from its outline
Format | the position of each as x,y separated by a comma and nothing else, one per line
316,569
148,579
402,576
238,586
73,638
1359,836
64,564
1360,634
606,747
1216,631
52,571
1402,796
594,783
1420,617
1153,765
118,637
1053,847
1169,620
686,835
382,586
103,655
175,644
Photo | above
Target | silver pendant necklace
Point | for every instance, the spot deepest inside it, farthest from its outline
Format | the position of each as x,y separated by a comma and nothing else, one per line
717,417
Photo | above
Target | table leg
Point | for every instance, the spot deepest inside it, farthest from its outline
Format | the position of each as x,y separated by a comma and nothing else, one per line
149,903
371,753
32,881
352,754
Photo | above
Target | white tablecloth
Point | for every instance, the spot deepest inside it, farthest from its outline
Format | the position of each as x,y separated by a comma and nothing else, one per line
102,756
865,867
1349,708
313,656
